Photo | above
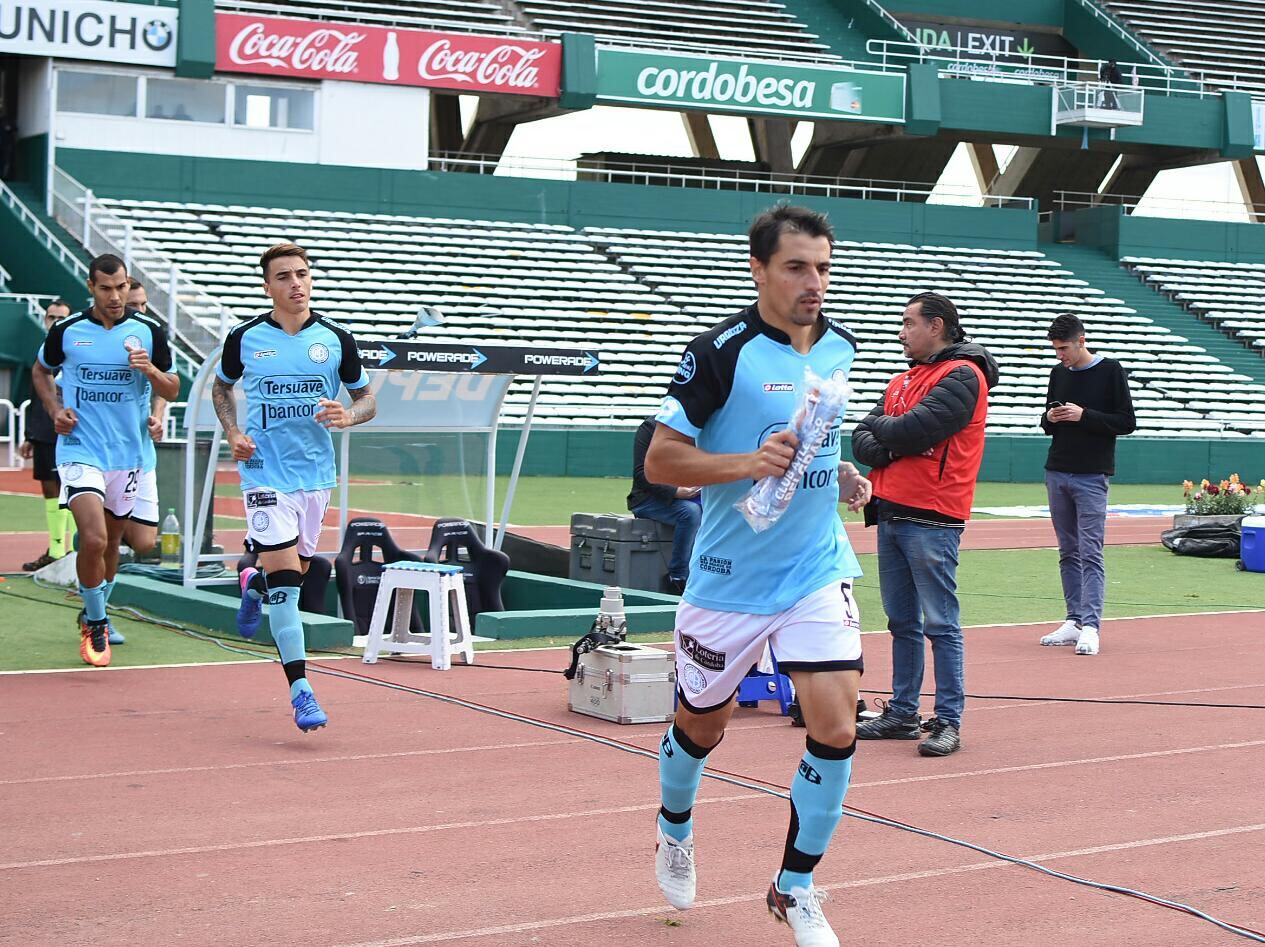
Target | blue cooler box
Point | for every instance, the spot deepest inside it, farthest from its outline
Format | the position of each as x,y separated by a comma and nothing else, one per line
1252,546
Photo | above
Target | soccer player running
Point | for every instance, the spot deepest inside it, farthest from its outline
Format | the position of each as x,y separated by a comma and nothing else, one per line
140,533
109,359
723,426
291,362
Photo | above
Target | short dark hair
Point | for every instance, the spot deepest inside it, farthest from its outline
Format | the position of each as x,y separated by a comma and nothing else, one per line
1065,328
934,306
767,229
133,283
278,251
58,302
107,264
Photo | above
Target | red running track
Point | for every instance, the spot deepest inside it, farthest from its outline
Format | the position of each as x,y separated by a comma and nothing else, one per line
413,530
180,806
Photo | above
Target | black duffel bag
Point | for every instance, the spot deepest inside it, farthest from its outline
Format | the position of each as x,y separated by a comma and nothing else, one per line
1210,540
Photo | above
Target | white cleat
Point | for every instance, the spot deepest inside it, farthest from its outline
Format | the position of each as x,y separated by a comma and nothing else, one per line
801,910
1065,635
674,869
1088,641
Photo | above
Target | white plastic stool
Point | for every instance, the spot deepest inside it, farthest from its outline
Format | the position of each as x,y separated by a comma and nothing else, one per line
442,584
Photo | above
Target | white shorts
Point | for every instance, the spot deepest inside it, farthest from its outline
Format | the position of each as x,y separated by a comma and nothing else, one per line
116,488
146,509
276,520
715,650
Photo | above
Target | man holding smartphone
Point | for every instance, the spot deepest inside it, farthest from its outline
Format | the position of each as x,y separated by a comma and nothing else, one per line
1088,406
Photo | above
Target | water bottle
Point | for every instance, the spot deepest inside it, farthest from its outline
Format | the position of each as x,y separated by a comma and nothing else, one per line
171,536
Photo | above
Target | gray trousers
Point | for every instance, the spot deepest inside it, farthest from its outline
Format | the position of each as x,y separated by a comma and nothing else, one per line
1078,507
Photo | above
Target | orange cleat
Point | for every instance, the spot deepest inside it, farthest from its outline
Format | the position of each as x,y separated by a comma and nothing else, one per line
94,642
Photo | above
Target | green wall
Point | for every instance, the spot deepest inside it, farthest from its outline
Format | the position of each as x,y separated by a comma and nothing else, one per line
577,203
1007,458
1111,230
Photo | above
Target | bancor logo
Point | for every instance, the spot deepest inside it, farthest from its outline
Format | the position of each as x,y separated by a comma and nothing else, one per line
729,82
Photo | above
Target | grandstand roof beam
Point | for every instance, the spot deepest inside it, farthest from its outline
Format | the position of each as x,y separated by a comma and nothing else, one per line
496,117
698,129
1136,172
446,134
984,164
771,142
1248,173
1040,172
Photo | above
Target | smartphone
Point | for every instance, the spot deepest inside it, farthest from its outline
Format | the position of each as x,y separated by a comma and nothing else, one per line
1055,404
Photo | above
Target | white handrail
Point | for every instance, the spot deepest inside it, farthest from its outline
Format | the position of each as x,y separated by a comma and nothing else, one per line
74,208
1037,69
10,436
669,175
64,255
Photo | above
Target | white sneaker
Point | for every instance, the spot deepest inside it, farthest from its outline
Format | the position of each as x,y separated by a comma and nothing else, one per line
1088,641
801,910
1066,634
674,869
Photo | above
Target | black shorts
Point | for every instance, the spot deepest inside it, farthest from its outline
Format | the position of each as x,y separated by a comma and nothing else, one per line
44,459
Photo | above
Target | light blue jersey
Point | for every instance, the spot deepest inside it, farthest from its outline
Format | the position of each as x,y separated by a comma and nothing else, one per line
737,384
285,376
110,399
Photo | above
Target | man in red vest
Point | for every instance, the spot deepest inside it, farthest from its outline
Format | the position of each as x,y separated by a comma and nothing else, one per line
924,441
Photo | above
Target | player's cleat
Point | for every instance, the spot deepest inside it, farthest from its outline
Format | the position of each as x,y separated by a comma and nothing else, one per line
307,712
1087,643
889,726
1066,634
94,642
115,636
674,869
250,611
44,559
801,911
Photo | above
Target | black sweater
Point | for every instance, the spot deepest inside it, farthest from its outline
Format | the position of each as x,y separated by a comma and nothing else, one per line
643,489
1089,445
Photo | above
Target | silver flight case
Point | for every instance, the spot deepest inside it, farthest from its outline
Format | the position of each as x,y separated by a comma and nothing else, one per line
626,683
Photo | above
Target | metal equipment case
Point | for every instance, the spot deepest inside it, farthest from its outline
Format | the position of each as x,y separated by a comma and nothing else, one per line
625,683
620,550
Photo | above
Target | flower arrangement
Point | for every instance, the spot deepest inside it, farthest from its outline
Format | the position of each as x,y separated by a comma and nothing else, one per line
1228,498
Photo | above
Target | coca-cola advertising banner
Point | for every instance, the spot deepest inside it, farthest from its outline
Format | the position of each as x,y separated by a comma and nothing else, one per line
357,53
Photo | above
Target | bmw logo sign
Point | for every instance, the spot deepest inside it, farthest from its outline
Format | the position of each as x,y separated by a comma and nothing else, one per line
694,679
318,353
157,35
259,521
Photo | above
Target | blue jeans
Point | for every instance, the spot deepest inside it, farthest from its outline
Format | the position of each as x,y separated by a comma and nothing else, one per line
683,516
917,569
1078,508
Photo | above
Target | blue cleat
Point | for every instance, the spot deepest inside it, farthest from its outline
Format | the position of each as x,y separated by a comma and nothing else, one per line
115,636
308,715
250,612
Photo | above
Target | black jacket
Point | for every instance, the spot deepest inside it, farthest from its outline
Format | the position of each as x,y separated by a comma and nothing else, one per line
643,489
878,439
39,426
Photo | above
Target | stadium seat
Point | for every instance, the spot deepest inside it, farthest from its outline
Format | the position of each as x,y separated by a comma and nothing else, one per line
455,542
358,573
